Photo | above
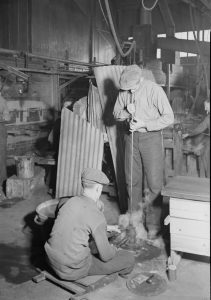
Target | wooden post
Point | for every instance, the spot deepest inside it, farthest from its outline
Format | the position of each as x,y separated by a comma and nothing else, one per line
178,153
168,85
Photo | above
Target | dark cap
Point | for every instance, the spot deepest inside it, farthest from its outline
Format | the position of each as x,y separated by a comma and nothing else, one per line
130,77
94,176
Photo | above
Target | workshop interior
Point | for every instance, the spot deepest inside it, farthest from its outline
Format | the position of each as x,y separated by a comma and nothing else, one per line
105,119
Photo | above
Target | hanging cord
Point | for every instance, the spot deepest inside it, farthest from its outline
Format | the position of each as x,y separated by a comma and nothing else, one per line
101,7
199,50
133,45
149,8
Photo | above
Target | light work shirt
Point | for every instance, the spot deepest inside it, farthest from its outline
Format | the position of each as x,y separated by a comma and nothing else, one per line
151,106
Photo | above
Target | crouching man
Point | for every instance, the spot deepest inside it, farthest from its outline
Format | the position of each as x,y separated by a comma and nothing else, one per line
78,220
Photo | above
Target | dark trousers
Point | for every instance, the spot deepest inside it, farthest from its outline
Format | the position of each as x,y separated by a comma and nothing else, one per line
3,153
148,156
122,263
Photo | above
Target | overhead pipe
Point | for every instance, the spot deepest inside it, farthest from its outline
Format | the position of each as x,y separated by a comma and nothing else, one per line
50,58
174,44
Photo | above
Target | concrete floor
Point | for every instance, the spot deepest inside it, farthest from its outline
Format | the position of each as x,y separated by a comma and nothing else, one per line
17,247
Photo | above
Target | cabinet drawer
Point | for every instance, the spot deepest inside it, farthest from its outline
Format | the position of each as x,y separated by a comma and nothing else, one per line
190,245
192,228
190,209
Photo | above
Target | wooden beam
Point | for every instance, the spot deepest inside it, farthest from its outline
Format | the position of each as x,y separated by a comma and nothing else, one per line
69,82
189,46
167,17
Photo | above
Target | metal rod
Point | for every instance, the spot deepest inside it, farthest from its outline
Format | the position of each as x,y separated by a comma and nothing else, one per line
131,165
15,52
131,175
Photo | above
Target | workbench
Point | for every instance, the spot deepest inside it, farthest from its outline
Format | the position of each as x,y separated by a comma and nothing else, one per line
189,216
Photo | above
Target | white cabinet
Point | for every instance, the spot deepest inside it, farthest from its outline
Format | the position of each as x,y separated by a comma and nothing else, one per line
189,207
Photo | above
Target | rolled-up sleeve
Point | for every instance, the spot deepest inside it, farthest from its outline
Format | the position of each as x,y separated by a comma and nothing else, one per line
120,109
166,115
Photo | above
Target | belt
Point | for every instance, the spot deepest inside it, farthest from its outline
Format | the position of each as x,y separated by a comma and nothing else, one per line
141,130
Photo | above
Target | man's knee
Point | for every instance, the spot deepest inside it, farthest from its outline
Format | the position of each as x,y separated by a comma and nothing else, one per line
127,258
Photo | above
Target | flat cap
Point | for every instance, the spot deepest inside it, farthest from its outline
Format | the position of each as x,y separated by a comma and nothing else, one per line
94,176
130,77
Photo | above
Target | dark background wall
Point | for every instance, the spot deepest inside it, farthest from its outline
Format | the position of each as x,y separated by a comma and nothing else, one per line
129,15
76,29
73,29
14,24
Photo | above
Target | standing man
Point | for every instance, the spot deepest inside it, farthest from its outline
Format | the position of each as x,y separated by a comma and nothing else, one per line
4,117
146,109
80,218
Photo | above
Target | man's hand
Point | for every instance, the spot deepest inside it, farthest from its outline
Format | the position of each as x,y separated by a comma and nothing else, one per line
131,108
137,124
185,135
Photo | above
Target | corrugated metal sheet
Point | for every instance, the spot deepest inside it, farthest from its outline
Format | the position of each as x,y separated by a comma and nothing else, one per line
95,111
107,78
81,146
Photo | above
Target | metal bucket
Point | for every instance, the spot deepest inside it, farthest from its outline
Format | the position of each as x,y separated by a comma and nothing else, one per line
45,211
24,166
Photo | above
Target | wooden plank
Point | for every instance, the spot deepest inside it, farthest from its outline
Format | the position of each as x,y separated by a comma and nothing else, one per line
190,244
196,210
188,188
192,228
70,286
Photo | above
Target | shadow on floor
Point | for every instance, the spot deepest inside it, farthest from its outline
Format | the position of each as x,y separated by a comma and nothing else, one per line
15,265
37,235
18,264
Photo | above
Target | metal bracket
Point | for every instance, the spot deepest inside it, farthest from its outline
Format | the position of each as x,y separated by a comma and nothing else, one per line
14,71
